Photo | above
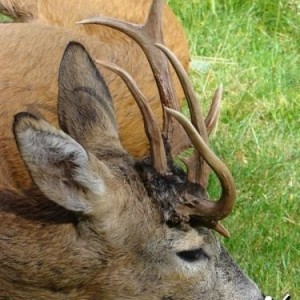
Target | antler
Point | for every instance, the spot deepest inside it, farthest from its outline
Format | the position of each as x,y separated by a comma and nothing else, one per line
197,130
147,36
213,211
200,171
152,130
214,111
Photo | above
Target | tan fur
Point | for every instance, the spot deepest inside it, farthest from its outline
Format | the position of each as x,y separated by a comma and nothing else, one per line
31,56
66,239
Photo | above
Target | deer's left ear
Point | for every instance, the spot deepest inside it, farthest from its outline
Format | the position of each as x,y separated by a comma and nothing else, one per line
60,167
85,108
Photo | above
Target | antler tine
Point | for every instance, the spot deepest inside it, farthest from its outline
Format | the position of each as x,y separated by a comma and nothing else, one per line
196,116
211,210
146,36
214,111
194,175
200,171
151,128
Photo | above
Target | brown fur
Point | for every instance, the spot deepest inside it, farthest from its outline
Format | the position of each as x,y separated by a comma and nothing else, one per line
19,10
31,56
88,228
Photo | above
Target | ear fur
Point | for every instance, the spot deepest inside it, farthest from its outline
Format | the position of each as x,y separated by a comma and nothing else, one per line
85,107
57,163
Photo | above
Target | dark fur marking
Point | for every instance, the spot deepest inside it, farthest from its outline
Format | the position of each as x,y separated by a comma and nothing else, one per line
165,190
35,207
169,190
91,114
84,100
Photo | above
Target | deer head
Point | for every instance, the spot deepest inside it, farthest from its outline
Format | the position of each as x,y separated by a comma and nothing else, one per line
101,225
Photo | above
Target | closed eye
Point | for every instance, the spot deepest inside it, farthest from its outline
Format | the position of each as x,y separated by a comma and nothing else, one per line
193,255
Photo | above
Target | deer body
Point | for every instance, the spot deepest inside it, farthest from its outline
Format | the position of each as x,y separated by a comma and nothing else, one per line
94,224
28,82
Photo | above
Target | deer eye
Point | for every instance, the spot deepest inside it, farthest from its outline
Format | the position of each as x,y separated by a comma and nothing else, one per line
193,255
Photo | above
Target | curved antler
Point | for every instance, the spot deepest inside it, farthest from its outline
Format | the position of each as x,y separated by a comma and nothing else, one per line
214,111
214,210
199,173
152,130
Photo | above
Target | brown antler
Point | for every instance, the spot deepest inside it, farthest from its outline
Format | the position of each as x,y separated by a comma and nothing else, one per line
149,37
152,130
146,36
198,170
214,111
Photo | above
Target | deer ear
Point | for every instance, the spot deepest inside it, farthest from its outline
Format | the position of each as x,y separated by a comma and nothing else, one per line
85,108
58,164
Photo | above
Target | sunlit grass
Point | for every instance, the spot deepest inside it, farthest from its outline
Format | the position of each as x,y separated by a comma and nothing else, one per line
4,18
253,48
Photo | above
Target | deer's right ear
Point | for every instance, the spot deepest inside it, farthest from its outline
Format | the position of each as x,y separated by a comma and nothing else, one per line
60,167
85,108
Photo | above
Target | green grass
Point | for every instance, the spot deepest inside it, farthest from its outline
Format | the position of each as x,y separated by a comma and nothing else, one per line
252,47
4,18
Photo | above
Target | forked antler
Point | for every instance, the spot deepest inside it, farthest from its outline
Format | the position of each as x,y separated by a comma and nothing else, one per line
211,210
149,37
200,171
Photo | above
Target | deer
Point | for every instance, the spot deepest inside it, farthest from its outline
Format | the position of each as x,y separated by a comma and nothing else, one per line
98,223
94,221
